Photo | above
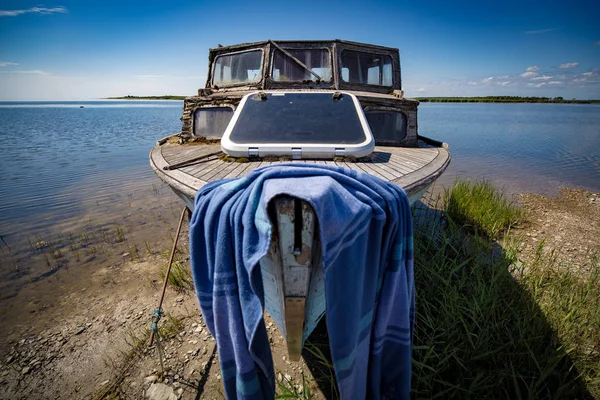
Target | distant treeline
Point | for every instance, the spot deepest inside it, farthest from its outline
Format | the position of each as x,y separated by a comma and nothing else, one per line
165,97
503,99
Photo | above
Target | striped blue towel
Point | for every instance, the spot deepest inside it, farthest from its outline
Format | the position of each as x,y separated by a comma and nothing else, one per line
366,236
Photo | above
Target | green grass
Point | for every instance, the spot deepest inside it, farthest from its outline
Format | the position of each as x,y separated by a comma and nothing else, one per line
489,325
288,389
180,277
480,207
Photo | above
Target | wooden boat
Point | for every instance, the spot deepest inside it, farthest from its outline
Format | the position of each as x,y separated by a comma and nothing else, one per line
292,277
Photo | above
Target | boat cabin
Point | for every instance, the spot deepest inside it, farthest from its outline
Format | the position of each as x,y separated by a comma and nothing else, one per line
369,72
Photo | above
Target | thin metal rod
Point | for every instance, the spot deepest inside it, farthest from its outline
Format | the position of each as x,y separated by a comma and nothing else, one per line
166,281
190,161
300,63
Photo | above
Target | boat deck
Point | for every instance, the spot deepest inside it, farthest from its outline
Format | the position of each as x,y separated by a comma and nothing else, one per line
412,168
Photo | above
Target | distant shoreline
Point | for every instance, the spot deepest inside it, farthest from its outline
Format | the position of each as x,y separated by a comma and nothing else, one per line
165,97
503,99
486,99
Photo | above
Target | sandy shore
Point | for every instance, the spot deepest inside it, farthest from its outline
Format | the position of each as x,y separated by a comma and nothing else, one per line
83,341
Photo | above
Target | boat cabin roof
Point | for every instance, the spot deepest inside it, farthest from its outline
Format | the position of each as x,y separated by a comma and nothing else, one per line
317,64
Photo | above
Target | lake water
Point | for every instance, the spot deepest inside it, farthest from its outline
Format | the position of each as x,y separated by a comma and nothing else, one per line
520,147
73,178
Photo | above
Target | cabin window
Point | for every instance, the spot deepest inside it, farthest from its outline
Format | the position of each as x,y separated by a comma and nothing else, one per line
286,69
366,68
238,68
211,121
387,125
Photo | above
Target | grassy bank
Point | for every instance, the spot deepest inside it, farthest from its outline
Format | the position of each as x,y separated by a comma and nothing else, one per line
489,326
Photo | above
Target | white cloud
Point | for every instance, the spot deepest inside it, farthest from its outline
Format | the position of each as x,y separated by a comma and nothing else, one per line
568,65
541,78
32,71
7,63
535,32
587,74
536,85
420,89
34,10
532,68
555,83
504,83
529,74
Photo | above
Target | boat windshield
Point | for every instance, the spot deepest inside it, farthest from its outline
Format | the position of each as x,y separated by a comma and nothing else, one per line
300,118
238,68
366,69
287,69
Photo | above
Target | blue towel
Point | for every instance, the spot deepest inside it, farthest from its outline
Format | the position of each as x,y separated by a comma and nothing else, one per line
366,235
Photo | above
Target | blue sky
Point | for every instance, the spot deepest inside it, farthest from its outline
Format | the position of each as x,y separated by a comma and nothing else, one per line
84,49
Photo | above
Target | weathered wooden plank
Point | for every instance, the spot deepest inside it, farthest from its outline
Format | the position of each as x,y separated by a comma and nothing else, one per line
196,168
377,170
401,167
294,324
423,156
406,161
175,156
242,171
234,172
352,166
385,167
390,163
208,170
366,168
223,171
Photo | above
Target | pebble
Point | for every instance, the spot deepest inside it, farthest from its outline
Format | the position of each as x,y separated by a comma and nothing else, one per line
25,370
80,330
179,299
150,379
104,382
160,391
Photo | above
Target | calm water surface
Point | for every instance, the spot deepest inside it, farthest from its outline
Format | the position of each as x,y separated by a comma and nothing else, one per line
65,168
522,147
